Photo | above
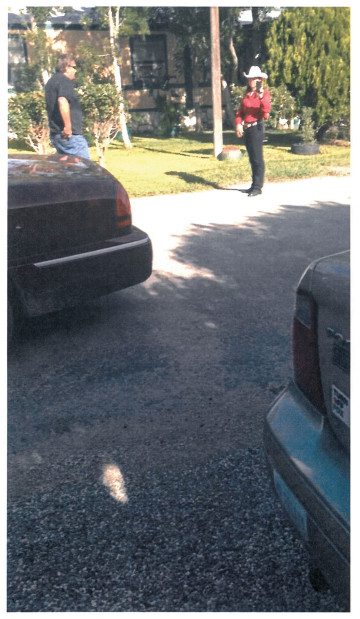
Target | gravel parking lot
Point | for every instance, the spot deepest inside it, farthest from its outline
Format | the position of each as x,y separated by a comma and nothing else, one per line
206,538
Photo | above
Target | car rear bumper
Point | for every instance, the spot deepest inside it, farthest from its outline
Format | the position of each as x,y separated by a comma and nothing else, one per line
311,476
50,285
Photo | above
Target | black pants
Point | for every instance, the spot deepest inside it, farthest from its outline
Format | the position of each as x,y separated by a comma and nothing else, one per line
254,137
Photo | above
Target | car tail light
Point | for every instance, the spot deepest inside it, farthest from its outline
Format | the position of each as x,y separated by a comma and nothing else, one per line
123,208
305,350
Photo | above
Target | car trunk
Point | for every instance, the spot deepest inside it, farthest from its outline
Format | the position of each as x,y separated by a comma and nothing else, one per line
85,211
330,288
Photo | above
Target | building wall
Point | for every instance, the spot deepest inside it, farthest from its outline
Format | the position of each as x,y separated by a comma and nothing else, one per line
141,101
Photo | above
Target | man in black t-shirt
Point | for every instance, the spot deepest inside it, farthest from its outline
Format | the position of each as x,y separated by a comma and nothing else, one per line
64,111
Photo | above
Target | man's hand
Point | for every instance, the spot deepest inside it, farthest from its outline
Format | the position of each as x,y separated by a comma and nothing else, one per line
239,130
66,133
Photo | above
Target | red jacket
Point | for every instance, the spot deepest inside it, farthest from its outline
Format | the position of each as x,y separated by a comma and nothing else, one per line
252,108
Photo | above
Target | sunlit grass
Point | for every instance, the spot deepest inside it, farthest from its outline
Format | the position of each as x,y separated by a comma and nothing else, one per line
172,165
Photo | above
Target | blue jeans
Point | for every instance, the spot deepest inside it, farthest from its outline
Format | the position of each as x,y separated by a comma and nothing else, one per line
74,145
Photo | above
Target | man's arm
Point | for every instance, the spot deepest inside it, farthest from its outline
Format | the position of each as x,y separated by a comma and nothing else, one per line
64,109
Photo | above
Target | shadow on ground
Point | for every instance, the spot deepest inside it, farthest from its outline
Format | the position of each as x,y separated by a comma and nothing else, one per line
194,179
210,330
169,381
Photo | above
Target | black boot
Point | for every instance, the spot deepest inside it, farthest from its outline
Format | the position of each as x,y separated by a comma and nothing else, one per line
246,190
254,192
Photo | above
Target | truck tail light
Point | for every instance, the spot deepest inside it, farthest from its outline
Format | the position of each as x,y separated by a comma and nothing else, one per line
305,350
123,208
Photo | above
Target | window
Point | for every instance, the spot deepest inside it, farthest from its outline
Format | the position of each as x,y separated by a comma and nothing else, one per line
148,59
17,54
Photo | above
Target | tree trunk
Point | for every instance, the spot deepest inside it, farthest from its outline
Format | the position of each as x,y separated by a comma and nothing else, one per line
234,58
196,103
228,104
196,92
256,38
114,33
188,77
102,158
199,125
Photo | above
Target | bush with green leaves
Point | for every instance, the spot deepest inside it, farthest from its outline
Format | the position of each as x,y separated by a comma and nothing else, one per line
171,110
307,129
308,49
283,104
26,78
236,93
338,131
28,120
100,105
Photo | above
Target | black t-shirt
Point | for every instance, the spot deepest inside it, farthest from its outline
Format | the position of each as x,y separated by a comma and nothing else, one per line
60,86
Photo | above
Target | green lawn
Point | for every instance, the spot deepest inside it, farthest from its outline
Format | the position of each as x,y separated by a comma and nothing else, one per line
186,163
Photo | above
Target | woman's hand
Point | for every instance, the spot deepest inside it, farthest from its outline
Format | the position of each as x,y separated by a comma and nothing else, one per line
239,130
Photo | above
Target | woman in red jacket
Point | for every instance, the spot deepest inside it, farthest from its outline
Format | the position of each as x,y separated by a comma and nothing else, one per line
254,108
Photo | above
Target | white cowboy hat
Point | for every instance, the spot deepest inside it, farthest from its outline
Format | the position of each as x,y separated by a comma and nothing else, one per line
256,72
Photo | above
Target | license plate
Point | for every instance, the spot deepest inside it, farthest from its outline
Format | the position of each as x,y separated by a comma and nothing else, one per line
292,506
340,405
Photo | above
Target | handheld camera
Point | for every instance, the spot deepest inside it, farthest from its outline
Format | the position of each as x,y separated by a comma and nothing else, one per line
258,85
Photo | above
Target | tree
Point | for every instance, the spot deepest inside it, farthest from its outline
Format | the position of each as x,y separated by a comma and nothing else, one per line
100,88
241,47
99,97
309,51
191,26
231,38
120,21
258,30
93,67
42,56
114,31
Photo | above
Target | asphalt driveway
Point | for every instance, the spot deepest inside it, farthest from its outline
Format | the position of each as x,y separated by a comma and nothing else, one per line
137,480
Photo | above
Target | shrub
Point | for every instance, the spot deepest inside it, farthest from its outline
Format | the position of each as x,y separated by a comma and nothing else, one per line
26,78
28,120
236,94
283,104
338,131
171,109
307,130
100,105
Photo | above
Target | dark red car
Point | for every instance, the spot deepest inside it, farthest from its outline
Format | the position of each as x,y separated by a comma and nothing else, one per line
70,235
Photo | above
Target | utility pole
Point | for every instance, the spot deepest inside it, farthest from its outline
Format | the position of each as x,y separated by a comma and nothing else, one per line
216,79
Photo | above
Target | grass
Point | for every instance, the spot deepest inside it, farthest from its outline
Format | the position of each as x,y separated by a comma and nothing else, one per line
186,163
